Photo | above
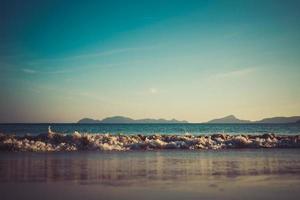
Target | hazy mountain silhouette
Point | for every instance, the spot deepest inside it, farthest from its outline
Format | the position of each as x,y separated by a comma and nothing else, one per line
277,120
127,120
88,121
230,119
273,120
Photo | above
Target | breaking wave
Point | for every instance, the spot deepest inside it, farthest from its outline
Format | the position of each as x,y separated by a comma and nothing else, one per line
52,141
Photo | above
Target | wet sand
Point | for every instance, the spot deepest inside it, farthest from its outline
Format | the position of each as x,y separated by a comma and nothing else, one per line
163,174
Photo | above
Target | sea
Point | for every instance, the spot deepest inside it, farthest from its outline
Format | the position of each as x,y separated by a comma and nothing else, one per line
150,129
231,174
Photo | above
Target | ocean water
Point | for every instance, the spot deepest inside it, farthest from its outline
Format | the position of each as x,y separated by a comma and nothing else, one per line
241,173
149,129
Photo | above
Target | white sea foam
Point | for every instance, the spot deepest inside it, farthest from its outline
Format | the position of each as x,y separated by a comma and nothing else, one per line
52,141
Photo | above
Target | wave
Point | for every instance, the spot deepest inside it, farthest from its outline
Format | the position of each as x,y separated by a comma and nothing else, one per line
52,141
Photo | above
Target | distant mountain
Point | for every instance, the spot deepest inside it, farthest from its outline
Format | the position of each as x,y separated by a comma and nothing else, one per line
230,119
298,122
117,119
88,121
278,120
127,120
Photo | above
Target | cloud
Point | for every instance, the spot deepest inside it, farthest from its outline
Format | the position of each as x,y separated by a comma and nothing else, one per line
70,69
29,71
93,55
236,73
32,71
113,51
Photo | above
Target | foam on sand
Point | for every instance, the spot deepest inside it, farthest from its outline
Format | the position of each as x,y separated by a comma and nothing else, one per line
52,141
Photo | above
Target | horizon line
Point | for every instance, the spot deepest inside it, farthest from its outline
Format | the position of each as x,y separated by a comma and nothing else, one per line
183,121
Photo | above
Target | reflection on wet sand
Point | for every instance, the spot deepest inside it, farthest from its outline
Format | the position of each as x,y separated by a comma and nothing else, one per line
230,174
136,168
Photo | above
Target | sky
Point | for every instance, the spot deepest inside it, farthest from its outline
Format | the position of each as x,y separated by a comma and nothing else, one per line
61,60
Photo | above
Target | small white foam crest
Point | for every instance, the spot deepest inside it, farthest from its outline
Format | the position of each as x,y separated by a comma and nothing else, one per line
49,130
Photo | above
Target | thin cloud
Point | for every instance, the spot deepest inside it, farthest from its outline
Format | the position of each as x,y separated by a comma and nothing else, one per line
70,69
93,55
236,73
32,71
29,71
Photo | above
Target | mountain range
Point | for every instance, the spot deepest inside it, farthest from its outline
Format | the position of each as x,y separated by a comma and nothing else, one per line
230,119
127,120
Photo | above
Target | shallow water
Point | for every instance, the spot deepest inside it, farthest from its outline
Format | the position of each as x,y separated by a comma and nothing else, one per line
171,174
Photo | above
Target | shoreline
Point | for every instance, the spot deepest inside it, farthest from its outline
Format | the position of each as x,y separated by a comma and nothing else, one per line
53,141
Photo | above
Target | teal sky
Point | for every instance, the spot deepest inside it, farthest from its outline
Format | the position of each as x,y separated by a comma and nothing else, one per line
190,60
